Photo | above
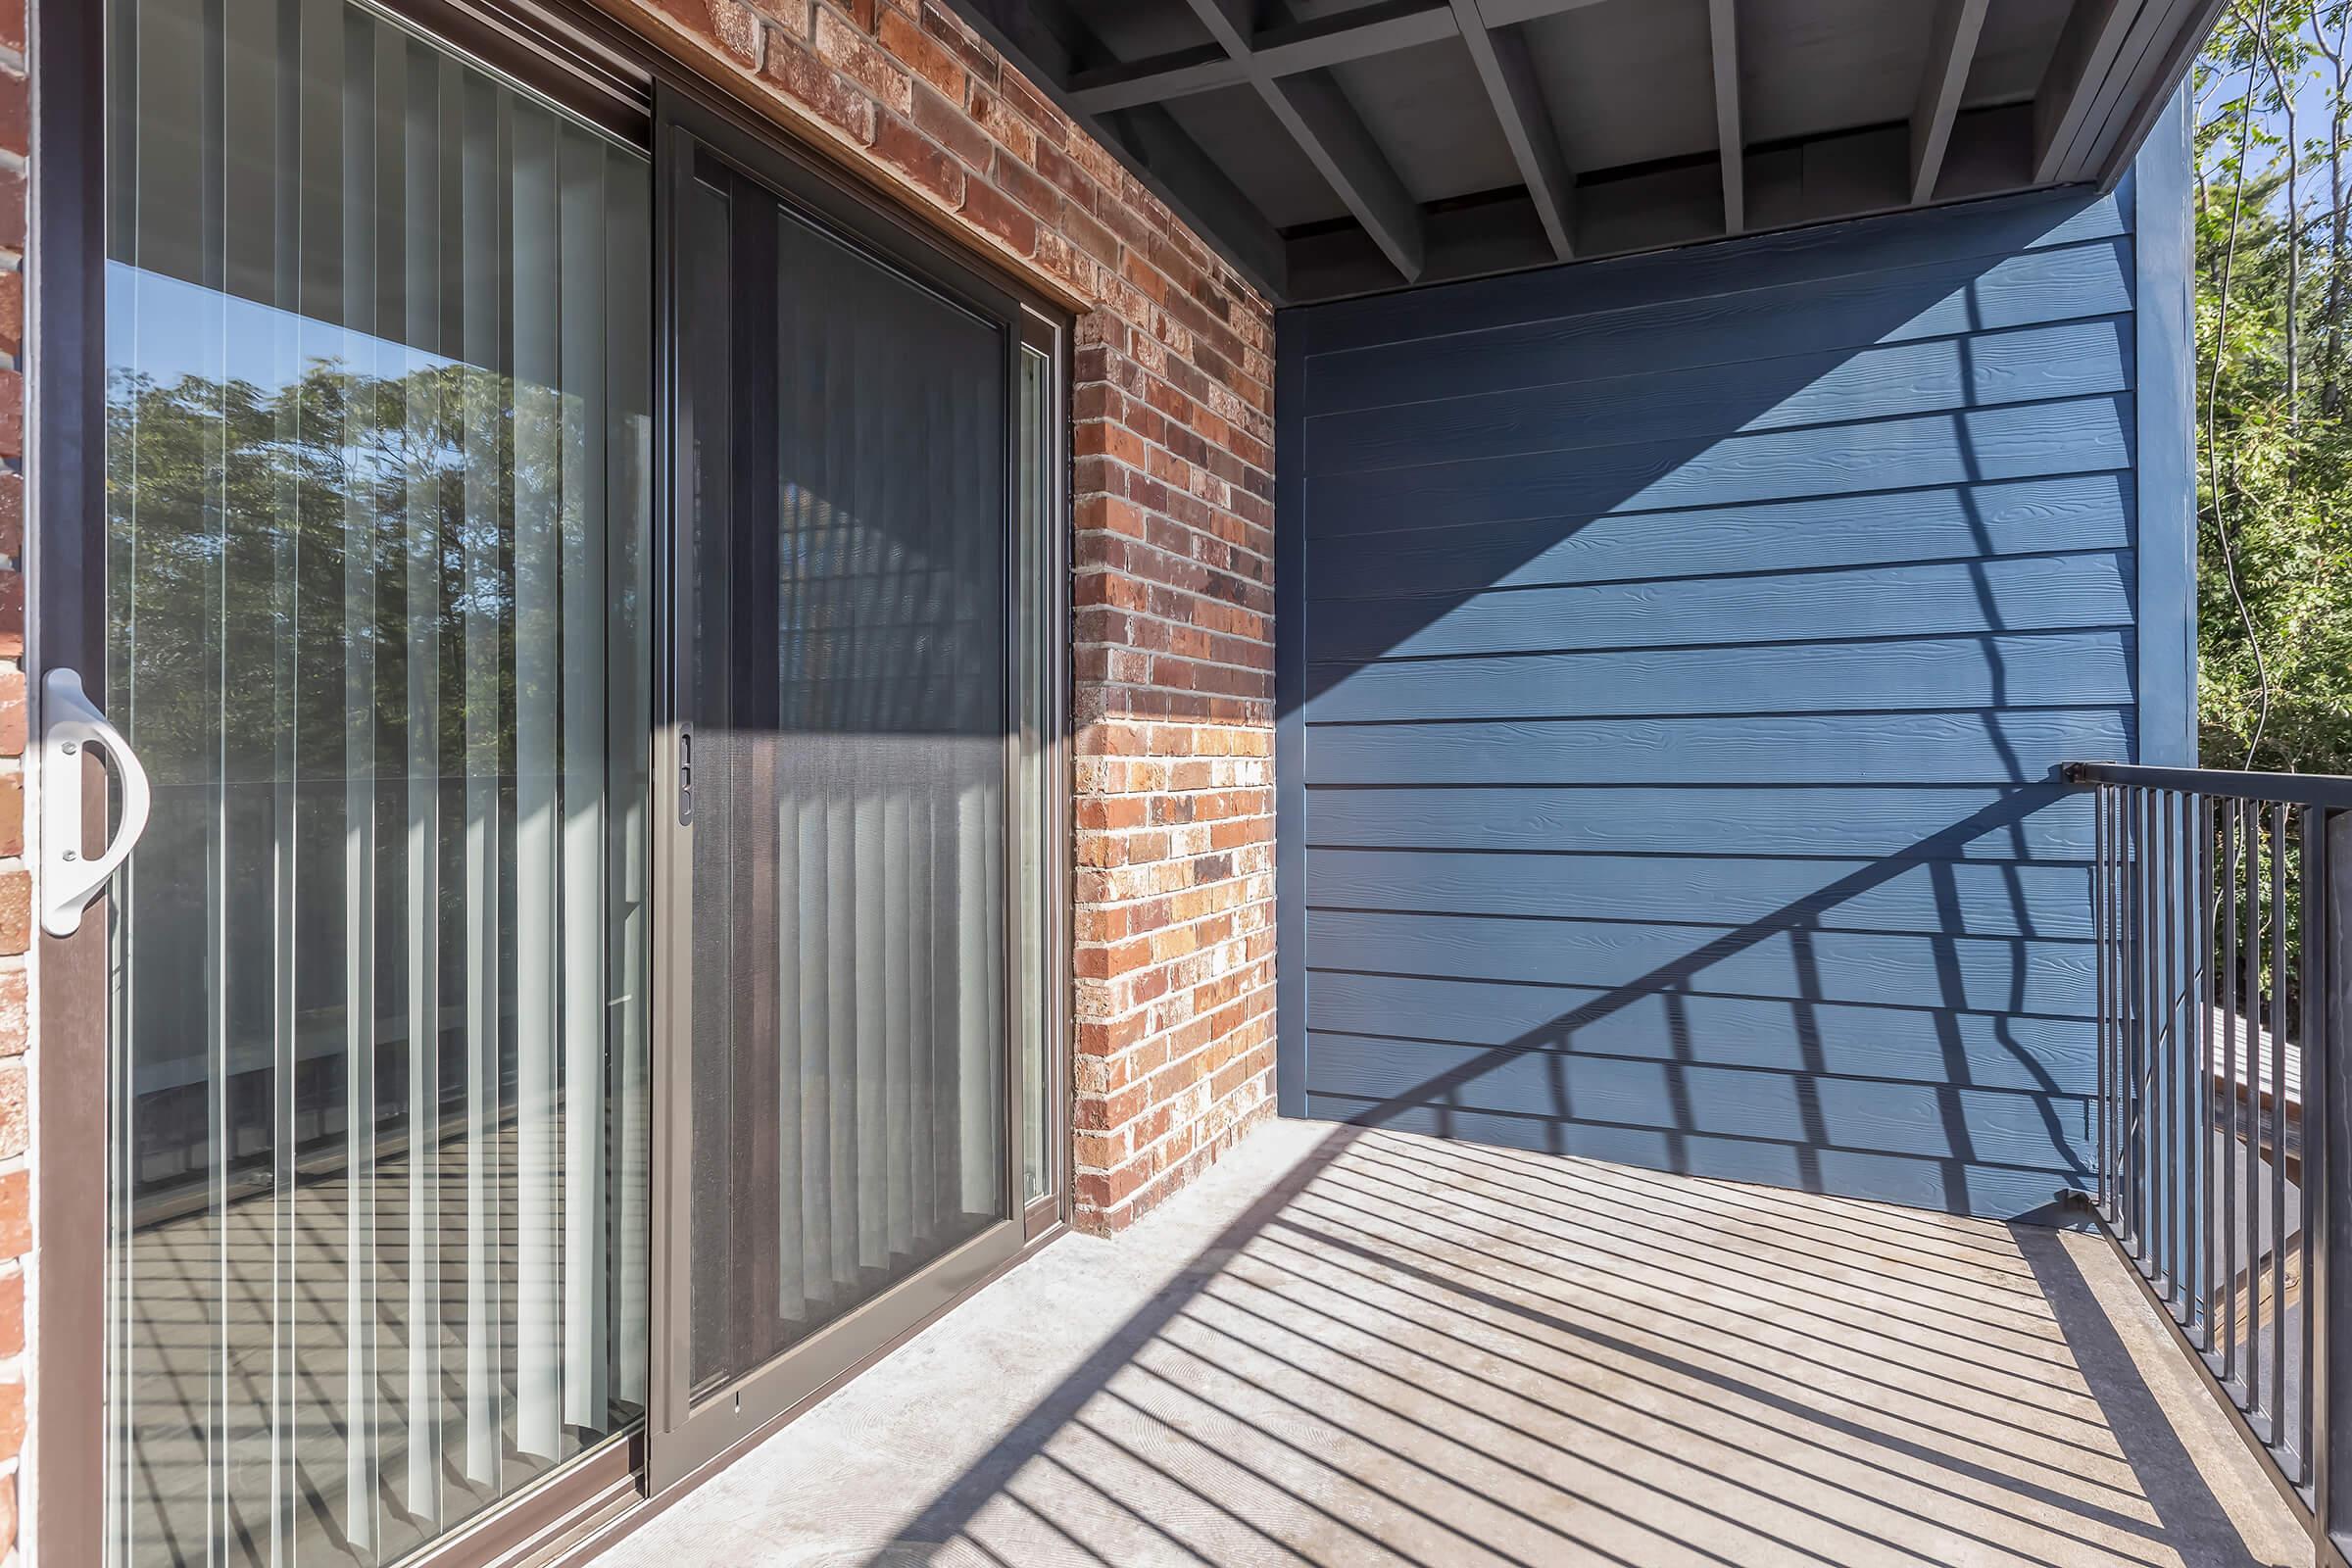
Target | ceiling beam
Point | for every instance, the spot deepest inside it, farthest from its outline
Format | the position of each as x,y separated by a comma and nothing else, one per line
1511,13
1285,51
1510,77
1182,73
1044,39
1334,139
1328,129
2086,49
1723,43
1952,50
2195,21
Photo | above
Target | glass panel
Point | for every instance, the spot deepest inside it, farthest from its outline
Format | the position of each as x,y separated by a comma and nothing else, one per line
378,456
848,704
1040,447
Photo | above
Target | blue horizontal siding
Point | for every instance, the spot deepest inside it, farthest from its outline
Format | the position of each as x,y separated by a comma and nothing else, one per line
1932,897
2016,745
1678,653
2043,593
2077,435
1932,674
2025,822
1917,1043
2075,359
1874,308
1945,523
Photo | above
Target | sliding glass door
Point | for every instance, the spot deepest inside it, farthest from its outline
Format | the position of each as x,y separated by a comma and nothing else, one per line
378,460
593,624
844,1130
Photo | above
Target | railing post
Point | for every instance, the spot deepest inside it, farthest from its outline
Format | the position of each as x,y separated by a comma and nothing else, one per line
2327,1149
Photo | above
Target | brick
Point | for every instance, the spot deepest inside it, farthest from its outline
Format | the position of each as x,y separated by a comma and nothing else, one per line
921,53
16,911
16,1122
12,1325
12,413
967,46
12,712
15,1022
849,50
920,159
739,31
15,112
12,208
1025,186
984,206
814,85
1002,121
15,1214
949,126
790,15
12,614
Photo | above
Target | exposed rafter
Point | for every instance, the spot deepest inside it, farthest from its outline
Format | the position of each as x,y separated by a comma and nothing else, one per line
2107,74
1276,52
2195,22
1509,79
1952,50
1328,129
1511,13
1204,67
1723,43
2086,50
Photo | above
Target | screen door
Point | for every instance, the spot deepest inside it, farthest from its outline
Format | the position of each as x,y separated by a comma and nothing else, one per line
838,1112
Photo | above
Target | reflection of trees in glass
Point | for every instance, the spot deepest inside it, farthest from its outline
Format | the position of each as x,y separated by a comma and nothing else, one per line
278,555
234,511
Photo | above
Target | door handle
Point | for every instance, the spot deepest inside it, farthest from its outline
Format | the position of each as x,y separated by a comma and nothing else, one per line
70,721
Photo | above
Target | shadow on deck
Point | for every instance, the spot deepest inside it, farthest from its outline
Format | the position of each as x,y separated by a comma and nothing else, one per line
1355,1347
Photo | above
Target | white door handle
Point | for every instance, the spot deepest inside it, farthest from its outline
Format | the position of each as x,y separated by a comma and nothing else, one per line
70,721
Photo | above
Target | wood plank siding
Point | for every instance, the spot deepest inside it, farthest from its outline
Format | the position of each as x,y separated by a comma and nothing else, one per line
1677,656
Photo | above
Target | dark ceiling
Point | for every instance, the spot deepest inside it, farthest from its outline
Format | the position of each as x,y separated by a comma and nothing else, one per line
1338,147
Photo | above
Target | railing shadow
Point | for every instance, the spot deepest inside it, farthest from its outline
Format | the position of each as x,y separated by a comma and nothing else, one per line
1413,1352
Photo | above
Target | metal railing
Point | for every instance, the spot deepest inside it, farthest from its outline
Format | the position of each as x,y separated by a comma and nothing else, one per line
2217,901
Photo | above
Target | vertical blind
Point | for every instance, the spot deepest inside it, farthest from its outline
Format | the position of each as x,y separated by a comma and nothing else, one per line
849,652
378,449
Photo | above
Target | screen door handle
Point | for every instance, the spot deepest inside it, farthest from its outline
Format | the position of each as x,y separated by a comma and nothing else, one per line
70,721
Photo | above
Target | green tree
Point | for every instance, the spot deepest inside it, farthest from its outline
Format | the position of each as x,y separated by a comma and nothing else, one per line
2275,494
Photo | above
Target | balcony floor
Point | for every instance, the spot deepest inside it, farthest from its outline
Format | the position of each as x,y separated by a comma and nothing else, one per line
1348,1346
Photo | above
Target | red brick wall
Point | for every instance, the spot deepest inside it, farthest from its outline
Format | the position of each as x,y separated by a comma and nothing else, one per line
15,879
1173,492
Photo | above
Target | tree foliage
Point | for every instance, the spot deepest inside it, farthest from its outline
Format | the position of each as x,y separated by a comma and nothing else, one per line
2273,294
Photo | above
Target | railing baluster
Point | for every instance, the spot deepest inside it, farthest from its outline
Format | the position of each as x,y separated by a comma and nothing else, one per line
2168,904
2201,1271
2311,897
2228,959
2277,1123
2142,992
2098,1006
2252,1089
